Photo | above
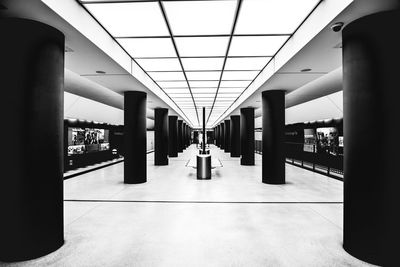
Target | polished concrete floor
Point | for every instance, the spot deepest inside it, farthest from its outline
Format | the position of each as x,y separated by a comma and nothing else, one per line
176,220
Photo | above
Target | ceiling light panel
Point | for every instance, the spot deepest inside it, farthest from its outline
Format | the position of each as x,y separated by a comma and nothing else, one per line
231,90
201,46
148,47
203,84
188,95
256,45
177,91
127,19
202,63
234,83
204,90
167,76
272,17
208,96
221,96
179,84
159,64
200,17
203,75
246,63
239,75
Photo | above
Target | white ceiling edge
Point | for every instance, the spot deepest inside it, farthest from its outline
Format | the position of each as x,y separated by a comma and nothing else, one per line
327,84
321,108
79,18
81,108
81,86
326,11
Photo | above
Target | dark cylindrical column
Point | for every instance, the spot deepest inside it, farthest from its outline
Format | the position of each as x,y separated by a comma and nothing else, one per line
183,135
217,135
180,136
371,57
31,183
227,136
222,135
161,136
187,135
173,136
235,136
273,137
135,137
247,136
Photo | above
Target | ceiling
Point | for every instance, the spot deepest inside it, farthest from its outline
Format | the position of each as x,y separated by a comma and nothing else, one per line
201,53
323,55
86,54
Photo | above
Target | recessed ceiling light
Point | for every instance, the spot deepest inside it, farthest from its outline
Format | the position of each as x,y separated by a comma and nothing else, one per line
305,70
100,72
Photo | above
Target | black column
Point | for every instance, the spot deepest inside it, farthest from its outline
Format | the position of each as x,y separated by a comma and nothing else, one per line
31,183
161,136
183,135
273,137
371,94
247,136
217,135
222,135
135,137
235,136
187,135
227,135
173,136
180,137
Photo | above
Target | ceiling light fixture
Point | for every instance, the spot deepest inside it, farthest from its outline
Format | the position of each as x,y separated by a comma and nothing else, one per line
305,70
100,72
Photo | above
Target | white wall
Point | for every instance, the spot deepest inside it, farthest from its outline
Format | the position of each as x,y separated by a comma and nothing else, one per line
327,107
77,107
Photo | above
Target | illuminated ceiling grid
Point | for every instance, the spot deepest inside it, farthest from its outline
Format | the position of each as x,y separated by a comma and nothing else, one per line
201,53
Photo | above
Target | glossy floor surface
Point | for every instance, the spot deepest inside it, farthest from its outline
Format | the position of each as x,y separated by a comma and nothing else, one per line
176,220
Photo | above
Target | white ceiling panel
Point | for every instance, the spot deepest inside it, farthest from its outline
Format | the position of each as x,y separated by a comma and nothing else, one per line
167,76
231,90
200,17
127,19
203,84
202,63
201,46
234,83
179,84
204,90
148,47
246,63
203,75
256,45
159,64
272,17
239,75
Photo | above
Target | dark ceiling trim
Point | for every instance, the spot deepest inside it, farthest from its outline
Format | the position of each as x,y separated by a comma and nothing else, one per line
239,4
177,53
132,59
202,35
201,57
155,71
133,1
309,14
